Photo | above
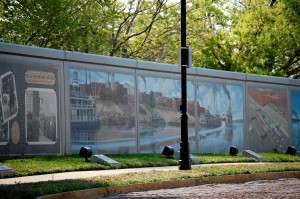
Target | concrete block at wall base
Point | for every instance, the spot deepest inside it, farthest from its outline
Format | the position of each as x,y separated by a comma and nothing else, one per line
194,159
6,171
249,153
101,159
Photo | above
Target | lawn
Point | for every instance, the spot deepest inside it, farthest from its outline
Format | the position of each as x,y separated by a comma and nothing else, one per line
50,164
36,165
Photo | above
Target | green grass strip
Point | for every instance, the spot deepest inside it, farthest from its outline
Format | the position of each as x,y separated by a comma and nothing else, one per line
32,190
25,166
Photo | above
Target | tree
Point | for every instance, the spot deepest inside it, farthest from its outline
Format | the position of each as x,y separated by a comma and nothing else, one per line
130,32
31,22
60,24
268,37
208,35
250,36
253,36
162,42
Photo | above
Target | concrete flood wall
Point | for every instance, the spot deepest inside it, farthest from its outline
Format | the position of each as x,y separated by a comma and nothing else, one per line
55,102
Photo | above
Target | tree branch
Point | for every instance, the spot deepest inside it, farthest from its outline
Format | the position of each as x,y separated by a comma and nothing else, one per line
291,60
130,25
223,66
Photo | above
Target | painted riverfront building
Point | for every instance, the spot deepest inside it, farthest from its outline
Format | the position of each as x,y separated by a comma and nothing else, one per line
55,102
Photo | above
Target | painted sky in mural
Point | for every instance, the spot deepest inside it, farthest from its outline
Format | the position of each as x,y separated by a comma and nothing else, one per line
99,76
159,112
295,105
220,113
218,97
168,87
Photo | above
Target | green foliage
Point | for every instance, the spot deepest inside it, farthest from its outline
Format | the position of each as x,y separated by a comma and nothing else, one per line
60,24
246,36
267,39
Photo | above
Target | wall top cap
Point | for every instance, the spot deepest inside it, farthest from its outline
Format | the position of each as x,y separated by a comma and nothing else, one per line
32,51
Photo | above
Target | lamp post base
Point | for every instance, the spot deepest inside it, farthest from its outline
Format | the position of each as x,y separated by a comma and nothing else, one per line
185,163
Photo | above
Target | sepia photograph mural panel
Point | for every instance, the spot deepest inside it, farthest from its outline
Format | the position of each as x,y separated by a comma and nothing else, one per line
268,119
295,105
8,104
102,111
159,100
9,101
220,117
29,98
41,116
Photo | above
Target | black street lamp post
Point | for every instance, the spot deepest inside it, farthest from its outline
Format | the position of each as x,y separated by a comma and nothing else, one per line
184,161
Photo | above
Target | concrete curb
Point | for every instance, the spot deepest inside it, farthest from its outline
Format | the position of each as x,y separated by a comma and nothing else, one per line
110,191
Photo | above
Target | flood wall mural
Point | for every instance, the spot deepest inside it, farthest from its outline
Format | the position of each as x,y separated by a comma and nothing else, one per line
295,106
159,100
55,102
220,113
103,114
268,118
102,106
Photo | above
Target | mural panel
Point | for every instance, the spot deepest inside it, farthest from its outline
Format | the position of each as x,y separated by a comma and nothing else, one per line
295,105
29,98
41,117
102,108
220,117
8,99
159,100
268,118
8,104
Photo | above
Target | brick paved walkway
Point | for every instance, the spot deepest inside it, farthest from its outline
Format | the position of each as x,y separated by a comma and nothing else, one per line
283,188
